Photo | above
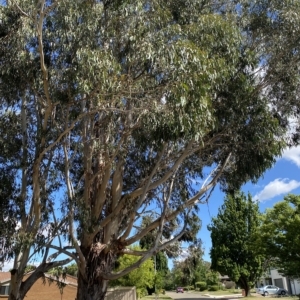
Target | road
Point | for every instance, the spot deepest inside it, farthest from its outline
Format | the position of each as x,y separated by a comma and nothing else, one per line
187,296
196,296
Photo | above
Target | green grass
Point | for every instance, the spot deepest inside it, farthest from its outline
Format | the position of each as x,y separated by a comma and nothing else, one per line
222,292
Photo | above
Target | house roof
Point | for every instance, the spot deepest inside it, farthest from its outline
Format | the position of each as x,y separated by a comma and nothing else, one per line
4,276
68,279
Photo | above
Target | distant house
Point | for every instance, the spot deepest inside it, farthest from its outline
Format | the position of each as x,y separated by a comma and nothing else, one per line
44,288
272,277
47,289
4,283
227,282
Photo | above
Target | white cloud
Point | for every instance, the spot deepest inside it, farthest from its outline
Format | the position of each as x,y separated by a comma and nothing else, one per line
8,266
293,155
275,188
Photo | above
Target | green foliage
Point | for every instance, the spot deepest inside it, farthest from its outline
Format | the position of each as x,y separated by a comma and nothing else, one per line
212,278
141,278
203,271
71,269
279,235
213,288
58,272
168,281
130,102
30,268
275,26
201,285
159,280
233,233
186,272
141,292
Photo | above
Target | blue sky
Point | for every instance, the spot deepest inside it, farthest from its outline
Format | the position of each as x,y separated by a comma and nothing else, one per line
277,182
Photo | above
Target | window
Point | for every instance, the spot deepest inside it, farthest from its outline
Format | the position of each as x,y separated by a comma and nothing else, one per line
4,290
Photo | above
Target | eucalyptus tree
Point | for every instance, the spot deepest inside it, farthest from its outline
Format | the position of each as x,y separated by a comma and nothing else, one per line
7,186
122,106
165,92
272,28
28,152
233,235
193,263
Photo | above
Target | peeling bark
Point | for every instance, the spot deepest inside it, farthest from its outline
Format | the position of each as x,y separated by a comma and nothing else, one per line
91,286
95,291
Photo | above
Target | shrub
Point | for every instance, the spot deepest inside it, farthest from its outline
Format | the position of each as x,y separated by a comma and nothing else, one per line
141,292
213,288
201,285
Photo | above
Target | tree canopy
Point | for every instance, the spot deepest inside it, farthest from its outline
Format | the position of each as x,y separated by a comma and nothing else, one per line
233,233
279,235
117,109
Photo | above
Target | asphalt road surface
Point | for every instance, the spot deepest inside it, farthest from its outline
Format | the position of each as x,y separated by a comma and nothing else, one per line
187,296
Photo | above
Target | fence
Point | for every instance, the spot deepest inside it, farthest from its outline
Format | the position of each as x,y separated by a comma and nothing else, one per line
121,293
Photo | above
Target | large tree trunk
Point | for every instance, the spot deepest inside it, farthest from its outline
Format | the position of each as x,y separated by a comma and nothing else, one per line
91,286
245,286
92,291
15,284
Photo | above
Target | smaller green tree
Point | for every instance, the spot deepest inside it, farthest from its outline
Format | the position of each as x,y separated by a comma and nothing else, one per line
203,271
179,277
169,282
233,232
71,269
193,263
141,278
30,268
280,235
212,278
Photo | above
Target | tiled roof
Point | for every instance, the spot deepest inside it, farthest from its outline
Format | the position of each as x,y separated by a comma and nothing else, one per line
67,280
4,276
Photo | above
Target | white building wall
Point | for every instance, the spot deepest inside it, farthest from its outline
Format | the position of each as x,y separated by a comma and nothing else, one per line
276,275
270,277
295,284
